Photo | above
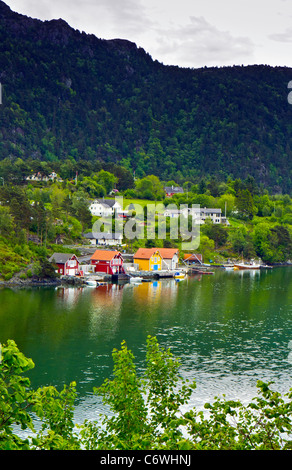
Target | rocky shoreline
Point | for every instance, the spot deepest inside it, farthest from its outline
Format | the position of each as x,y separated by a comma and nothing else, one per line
67,280
46,282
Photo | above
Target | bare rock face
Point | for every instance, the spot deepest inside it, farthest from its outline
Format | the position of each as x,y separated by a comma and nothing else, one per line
55,31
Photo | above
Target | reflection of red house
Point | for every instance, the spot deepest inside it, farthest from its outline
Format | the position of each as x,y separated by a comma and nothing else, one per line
108,262
67,263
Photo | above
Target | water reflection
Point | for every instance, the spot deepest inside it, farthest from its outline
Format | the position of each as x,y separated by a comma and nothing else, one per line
68,295
229,329
104,310
155,292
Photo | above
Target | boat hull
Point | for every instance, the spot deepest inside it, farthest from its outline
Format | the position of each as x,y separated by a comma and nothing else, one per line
136,279
92,283
246,266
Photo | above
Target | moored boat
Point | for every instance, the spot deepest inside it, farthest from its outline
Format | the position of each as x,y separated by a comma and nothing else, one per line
198,271
179,275
247,266
136,279
92,283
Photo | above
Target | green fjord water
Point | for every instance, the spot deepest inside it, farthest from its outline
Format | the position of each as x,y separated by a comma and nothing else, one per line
229,330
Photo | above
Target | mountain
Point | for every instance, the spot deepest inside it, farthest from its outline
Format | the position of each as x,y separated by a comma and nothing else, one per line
67,94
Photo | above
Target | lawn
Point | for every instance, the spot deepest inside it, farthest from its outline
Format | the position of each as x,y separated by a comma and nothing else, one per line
142,202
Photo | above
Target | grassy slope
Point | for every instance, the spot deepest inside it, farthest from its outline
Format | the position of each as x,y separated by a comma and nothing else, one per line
11,261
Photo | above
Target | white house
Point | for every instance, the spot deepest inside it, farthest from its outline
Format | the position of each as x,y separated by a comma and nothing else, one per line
202,214
40,177
198,213
214,214
105,207
104,238
172,213
100,209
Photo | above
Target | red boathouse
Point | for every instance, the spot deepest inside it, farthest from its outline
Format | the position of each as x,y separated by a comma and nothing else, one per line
67,263
108,262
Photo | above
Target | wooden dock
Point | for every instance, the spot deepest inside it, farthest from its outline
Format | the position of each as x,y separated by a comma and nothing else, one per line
167,273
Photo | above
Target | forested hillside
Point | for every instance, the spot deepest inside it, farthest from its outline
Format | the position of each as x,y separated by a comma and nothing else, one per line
66,94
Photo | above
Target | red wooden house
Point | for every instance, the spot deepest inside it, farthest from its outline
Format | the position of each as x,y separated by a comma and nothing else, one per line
108,262
67,263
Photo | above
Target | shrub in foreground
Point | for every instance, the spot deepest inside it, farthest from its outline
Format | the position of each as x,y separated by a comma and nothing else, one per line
146,411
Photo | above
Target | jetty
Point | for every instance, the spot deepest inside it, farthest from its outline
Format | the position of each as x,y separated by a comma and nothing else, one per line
163,274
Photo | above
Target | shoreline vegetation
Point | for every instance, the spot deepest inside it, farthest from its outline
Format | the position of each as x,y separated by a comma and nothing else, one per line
148,412
38,218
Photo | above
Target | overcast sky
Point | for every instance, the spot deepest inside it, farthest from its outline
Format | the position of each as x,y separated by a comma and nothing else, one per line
187,33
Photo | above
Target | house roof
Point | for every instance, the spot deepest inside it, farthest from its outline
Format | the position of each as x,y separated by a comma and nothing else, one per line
173,189
209,210
101,203
61,258
190,256
168,253
103,236
104,255
108,202
146,253
173,211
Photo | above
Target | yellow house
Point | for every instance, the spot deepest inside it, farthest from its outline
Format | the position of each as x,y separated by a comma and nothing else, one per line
148,259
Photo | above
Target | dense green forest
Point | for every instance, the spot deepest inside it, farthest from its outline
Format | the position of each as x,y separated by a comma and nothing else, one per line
69,96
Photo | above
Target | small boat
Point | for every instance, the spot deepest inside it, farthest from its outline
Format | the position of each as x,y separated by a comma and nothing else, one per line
179,275
197,271
265,266
92,283
247,266
136,279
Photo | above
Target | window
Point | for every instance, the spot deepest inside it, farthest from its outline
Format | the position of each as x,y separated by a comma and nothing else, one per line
71,264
